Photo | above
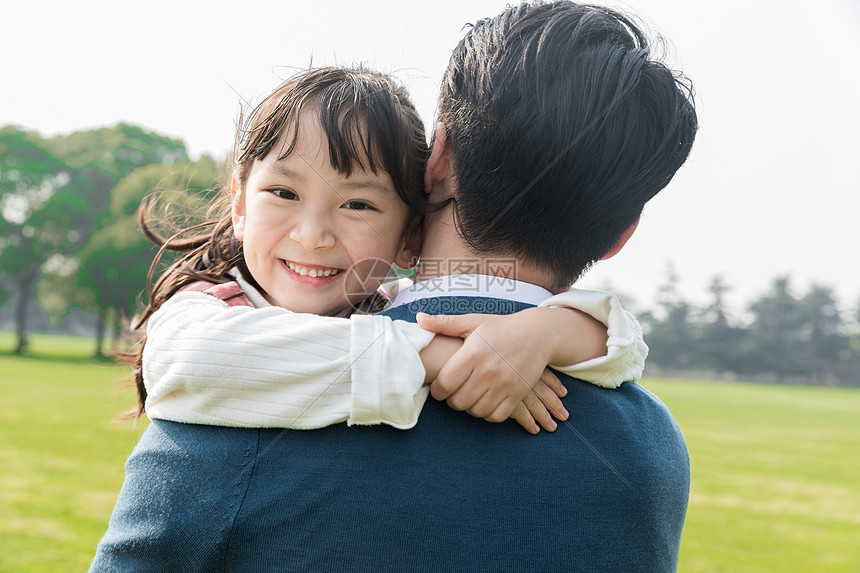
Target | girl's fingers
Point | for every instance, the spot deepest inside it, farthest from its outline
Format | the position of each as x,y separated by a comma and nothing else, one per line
466,397
450,325
550,379
539,412
451,377
550,400
524,418
486,406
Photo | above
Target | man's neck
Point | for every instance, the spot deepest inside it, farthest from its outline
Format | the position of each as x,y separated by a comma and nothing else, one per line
445,253
441,246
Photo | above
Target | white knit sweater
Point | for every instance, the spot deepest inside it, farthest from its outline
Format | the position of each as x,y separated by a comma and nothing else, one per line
208,363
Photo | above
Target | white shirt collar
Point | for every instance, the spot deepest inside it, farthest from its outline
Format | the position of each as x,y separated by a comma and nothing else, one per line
254,296
472,285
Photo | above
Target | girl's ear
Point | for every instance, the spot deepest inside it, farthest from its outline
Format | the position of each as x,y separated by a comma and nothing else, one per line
237,199
411,249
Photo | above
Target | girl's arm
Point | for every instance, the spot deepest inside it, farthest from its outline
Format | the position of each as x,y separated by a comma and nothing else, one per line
590,332
623,358
207,363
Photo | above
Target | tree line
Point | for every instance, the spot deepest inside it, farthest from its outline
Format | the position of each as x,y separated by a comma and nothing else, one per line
782,336
68,218
69,238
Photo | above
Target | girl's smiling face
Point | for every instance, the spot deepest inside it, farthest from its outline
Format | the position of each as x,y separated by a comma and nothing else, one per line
311,235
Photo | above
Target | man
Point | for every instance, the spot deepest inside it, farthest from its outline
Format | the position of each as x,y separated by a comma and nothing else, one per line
555,128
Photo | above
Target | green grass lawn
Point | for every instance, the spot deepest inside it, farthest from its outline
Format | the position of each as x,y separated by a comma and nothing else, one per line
776,469
51,345
61,453
775,476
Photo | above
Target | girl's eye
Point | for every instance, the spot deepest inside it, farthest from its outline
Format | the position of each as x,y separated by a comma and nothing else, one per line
357,205
284,194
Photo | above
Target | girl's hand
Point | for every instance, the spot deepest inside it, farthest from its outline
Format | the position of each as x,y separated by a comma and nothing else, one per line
533,412
500,370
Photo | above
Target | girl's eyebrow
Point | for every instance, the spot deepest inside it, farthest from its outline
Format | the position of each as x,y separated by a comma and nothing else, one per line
286,171
369,184
351,183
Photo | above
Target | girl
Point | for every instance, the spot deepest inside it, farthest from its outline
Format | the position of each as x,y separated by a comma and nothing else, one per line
328,190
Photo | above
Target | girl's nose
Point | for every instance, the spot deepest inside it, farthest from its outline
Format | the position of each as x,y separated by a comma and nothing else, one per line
313,232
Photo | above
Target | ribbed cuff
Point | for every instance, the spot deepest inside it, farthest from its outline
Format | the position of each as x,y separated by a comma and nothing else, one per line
625,349
387,373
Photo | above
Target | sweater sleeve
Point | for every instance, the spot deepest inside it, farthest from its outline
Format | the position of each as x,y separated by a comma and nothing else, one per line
625,348
207,363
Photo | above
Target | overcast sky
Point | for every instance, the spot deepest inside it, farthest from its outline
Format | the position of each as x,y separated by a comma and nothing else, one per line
772,186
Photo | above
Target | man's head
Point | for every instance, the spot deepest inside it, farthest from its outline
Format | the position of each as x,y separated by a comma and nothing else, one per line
559,128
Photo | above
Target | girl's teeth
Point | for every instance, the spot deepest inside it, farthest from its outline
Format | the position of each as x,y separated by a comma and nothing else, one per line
314,273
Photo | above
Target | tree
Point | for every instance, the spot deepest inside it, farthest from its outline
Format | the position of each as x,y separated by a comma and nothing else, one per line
671,335
43,205
824,320
117,150
853,352
777,331
53,195
823,329
722,346
113,265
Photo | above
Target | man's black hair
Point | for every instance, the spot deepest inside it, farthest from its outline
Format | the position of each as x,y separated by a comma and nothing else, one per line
561,127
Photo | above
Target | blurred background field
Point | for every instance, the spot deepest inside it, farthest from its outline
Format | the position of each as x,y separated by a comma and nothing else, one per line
61,452
774,484
775,475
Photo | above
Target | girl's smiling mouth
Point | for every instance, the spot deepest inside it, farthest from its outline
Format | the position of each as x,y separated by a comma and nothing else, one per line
311,274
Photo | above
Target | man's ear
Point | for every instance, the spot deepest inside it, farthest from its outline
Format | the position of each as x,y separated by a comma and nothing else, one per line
438,169
622,240
411,249
237,199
